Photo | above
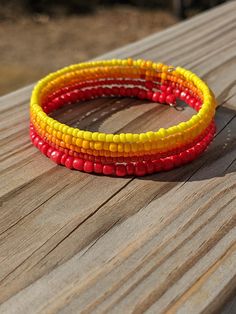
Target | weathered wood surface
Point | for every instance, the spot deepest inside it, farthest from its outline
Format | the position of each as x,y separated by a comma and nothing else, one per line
77,243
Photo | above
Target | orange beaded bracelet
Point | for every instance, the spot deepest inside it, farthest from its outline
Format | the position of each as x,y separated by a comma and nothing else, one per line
120,153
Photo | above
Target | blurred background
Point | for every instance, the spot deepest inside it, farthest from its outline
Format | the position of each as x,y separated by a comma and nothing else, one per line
37,37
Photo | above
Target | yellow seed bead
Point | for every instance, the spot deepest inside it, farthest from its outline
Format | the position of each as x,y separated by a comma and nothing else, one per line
139,62
85,144
106,146
42,124
182,126
102,137
64,128
162,132
54,133
49,129
130,62
59,135
129,137
80,134
113,147
120,148
159,66
165,68
116,138
147,146
163,76
127,147
170,131
122,137
109,137
154,145
95,136
91,145
67,139
149,64
150,135
136,137
69,130
143,137
98,145
79,142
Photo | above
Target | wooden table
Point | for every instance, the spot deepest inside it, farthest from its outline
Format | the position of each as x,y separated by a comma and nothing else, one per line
71,242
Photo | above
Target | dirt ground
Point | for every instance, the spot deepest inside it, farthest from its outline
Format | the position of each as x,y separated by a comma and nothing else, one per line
32,46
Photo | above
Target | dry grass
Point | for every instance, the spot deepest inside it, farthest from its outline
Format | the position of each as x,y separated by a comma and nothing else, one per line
30,47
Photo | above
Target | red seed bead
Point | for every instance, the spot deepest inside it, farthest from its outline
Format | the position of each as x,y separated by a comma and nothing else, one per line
198,105
135,91
108,169
130,169
69,162
115,90
66,97
57,102
36,140
170,99
140,169
74,95
49,151
98,167
176,160
163,88
94,92
40,144
88,166
142,94
129,92
121,171
149,84
44,148
176,92
184,157
56,156
192,102
183,95
149,95
162,98
158,165
191,153
63,99
187,98
169,90
122,91
168,163
46,109
101,91
156,96
150,166
63,159
106,91
78,164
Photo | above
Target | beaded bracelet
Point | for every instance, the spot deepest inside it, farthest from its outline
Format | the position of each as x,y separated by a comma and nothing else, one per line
125,153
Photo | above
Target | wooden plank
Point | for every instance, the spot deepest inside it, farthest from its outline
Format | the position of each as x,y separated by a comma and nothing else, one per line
73,242
230,307
165,233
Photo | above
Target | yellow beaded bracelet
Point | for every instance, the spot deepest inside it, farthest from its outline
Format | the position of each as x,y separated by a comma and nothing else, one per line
72,83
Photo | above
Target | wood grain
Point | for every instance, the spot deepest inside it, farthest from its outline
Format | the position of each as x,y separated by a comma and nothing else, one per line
77,243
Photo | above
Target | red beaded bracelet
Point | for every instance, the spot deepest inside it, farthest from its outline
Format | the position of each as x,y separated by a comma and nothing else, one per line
122,154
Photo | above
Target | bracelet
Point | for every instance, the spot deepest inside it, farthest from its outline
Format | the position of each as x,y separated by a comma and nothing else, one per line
125,153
